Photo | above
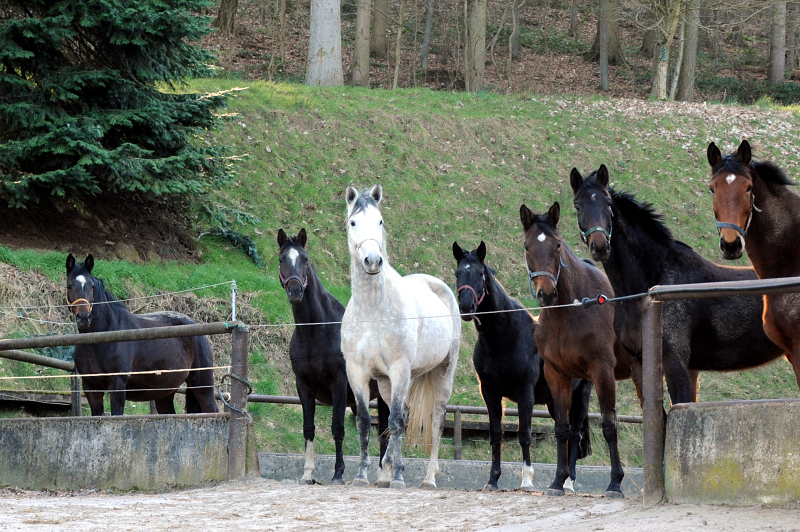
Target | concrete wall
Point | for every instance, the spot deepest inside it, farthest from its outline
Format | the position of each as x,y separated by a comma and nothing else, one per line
456,474
740,452
120,452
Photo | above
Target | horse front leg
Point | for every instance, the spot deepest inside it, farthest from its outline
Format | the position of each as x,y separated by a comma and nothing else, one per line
494,406
400,378
117,395
562,396
308,403
580,444
339,400
385,470
525,407
359,383
95,400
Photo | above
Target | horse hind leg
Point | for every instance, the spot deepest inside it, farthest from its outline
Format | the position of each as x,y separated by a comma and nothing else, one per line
339,401
308,403
524,438
441,383
495,407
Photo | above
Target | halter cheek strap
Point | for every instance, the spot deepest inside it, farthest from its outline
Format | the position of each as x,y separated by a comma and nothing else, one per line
735,227
478,300
285,280
542,273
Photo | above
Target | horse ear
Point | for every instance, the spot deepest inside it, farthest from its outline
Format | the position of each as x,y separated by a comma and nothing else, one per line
376,193
713,154
482,251
525,216
744,152
458,253
89,263
302,237
553,214
602,176
351,195
70,262
575,179
281,237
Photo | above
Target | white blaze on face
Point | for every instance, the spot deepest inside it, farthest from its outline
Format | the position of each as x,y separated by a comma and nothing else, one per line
293,255
541,238
594,196
730,179
81,279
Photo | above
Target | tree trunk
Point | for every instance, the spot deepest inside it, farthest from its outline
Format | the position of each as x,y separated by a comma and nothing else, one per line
573,18
475,59
361,54
676,73
282,17
398,48
379,45
792,46
226,18
426,39
325,45
669,14
615,56
689,66
602,27
514,39
777,43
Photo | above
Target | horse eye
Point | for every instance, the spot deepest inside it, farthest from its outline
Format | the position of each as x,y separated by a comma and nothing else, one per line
711,190
381,222
526,247
577,208
352,223
749,188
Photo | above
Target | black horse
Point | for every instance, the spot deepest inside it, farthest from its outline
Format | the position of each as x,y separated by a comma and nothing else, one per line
508,363
638,251
315,351
97,310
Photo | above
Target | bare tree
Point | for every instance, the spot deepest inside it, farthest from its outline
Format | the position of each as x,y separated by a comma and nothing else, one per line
426,39
777,43
361,55
689,66
325,45
791,53
475,59
379,44
668,16
615,55
602,26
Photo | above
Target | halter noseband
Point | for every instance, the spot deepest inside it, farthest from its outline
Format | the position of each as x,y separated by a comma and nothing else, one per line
735,227
595,229
478,300
542,273
74,304
302,280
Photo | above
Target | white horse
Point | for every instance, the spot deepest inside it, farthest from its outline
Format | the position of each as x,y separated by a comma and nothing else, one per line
403,332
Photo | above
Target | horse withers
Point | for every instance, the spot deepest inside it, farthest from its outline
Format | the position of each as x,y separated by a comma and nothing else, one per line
316,353
575,341
403,332
757,211
638,251
172,361
508,364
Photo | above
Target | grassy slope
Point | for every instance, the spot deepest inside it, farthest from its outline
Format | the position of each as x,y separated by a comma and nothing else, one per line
453,166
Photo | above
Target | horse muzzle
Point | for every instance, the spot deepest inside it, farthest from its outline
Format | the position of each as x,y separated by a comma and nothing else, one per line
294,292
546,299
372,263
83,320
732,250
467,311
600,248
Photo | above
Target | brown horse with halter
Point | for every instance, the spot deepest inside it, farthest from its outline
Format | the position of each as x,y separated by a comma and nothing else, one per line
576,342
755,210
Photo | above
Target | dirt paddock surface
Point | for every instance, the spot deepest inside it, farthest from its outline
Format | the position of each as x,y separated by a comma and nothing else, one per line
259,504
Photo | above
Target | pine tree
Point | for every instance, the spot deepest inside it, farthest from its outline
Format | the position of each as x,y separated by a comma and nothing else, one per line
89,100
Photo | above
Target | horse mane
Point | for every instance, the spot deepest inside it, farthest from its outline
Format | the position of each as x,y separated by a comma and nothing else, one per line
363,201
771,173
642,215
108,297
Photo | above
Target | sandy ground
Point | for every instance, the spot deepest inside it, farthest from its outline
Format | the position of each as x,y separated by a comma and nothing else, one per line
258,504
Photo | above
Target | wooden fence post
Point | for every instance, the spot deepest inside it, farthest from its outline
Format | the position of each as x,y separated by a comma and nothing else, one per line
457,434
237,440
75,387
653,407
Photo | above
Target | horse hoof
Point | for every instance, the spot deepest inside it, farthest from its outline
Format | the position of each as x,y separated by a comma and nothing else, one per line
337,482
555,493
383,484
306,481
613,495
397,485
428,486
526,488
360,483
490,487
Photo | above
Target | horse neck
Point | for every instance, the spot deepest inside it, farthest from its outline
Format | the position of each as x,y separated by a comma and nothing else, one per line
317,305
107,313
634,258
570,281
371,288
771,241
495,299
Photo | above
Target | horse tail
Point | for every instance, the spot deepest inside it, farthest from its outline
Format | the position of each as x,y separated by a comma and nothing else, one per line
420,404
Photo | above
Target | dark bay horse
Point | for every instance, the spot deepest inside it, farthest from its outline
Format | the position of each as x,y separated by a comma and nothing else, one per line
315,351
638,251
508,364
575,342
756,210
97,310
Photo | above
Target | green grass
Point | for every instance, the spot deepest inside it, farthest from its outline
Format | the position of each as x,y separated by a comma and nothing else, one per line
453,166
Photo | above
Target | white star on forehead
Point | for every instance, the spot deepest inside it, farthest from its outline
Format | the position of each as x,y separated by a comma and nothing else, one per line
541,238
594,196
81,279
730,179
293,254
466,266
